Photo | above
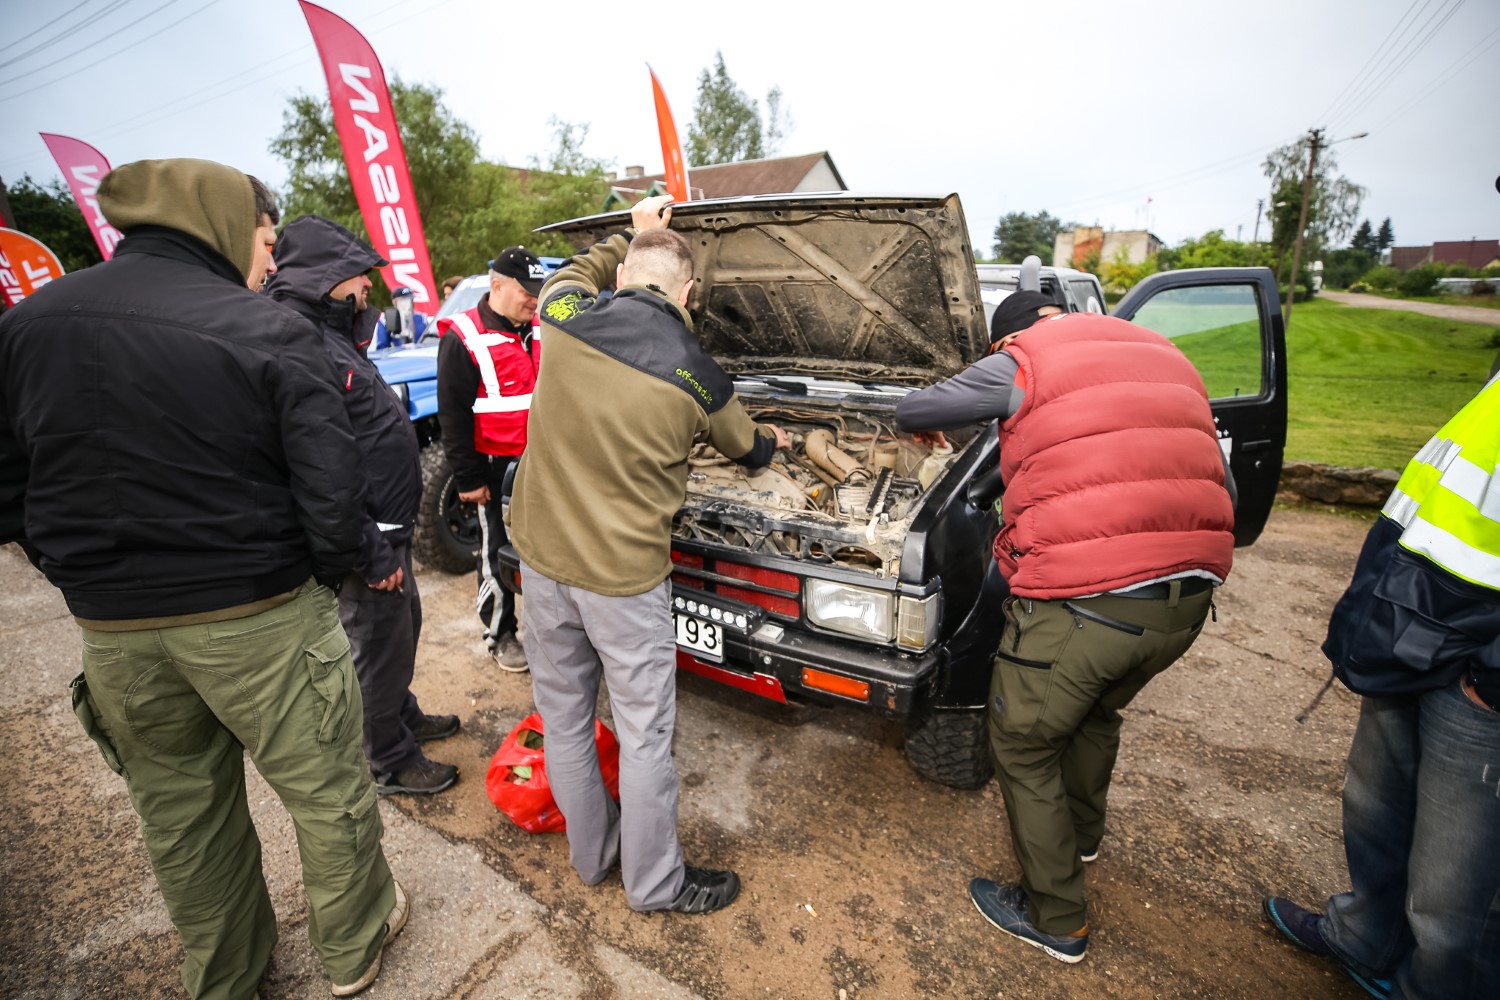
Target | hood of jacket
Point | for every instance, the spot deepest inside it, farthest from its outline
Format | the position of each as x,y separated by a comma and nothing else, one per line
312,255
206,200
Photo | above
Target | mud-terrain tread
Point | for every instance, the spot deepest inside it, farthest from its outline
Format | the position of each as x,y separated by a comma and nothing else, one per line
951,748
432,542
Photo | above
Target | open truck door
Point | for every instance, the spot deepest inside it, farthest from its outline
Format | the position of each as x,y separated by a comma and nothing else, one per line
1227,320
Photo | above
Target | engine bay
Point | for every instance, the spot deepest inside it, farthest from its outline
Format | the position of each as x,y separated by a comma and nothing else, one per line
844,493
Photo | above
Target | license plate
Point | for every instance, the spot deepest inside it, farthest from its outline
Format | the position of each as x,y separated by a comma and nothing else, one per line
703,639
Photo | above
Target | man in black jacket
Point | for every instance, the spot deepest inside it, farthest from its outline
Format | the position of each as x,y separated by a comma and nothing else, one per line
175,459
321,273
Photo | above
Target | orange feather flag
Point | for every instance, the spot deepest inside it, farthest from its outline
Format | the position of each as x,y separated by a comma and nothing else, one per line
671,145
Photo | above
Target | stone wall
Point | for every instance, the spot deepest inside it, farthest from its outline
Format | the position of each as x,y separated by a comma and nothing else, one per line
1337,484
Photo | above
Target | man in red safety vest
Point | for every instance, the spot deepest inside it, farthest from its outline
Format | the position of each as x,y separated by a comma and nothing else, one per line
487,364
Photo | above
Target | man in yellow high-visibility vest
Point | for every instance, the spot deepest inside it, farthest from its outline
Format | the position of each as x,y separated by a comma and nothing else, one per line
1418,635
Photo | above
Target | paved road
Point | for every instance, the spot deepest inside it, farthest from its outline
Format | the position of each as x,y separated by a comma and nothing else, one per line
1469,314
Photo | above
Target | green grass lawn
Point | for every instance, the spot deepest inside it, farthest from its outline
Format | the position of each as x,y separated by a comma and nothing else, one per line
1370,386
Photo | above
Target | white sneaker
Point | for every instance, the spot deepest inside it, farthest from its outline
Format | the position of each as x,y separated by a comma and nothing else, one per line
393,925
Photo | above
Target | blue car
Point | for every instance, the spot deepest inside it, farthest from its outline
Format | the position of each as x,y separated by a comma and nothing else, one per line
447,531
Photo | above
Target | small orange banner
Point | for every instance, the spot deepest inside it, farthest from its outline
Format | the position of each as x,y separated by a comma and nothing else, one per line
25,265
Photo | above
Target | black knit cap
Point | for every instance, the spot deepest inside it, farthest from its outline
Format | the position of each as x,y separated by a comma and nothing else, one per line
1017,312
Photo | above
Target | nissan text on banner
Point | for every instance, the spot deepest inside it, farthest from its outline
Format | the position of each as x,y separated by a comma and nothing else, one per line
366,124
671,144
25,265
84,167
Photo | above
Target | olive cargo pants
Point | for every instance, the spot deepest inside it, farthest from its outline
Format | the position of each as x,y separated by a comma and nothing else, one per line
174,711
1064,670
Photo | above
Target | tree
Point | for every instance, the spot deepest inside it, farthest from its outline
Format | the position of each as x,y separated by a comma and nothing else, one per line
1120,275
1386,236
727,125
1019,235
1341,268
470,208
1211,250
1364,237
47,212
1335,201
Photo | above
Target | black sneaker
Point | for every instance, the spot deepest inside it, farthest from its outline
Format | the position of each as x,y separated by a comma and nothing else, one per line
1304,928
420,777
1005,905
705,890
435,727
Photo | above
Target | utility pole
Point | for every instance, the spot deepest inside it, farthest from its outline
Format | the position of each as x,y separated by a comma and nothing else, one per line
1239,229
1260,203
1315,139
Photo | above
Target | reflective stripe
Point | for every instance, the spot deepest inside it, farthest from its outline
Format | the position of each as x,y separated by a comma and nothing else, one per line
388,527
502,404
1400,508
1437,453
1467,480
1453,554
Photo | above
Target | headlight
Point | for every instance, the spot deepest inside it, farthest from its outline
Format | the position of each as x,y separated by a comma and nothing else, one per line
917,620
402,394
857,611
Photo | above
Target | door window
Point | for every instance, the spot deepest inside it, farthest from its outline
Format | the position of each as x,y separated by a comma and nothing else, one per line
1218,328
1086,294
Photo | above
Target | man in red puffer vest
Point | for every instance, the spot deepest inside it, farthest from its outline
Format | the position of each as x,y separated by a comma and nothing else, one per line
1118,523
487,363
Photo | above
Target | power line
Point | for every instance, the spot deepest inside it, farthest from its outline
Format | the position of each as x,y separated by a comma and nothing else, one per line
177,106
1168,182
1483,45
61,35
44,26
104,58
1373,57
1438,20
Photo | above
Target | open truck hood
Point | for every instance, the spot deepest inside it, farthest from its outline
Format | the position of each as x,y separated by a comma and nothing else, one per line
861,287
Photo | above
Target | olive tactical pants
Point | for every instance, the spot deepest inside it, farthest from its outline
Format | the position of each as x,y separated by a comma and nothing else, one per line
1064,670
175,710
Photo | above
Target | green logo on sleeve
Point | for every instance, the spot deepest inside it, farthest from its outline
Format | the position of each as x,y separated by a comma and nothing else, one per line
564,307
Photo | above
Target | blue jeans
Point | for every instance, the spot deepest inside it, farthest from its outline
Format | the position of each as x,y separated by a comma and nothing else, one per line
1422,835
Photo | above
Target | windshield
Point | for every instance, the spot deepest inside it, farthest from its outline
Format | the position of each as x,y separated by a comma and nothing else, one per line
466,296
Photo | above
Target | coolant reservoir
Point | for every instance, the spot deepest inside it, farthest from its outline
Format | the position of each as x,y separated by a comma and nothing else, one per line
933,465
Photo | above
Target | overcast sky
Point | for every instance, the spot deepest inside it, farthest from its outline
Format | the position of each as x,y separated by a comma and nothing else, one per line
1084,109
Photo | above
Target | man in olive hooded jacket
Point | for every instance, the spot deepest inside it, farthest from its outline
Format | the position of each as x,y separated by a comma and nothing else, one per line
176,460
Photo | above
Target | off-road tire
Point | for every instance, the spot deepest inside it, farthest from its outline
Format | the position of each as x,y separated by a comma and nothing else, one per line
447,533
951,748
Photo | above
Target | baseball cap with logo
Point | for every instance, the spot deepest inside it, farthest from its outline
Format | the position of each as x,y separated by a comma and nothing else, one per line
521,264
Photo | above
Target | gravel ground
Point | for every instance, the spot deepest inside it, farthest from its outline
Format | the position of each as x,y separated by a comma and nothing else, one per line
855,871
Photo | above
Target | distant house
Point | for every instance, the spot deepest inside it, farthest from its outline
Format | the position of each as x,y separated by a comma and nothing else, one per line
1477,254
1074,248
1468,253
1406,258
775,175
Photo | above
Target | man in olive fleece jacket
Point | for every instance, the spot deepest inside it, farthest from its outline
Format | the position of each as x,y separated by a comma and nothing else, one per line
175,458
625,394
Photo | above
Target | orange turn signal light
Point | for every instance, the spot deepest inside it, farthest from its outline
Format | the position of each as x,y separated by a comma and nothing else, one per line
846,687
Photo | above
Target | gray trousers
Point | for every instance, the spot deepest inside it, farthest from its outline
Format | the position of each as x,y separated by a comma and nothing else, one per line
572,638
383,628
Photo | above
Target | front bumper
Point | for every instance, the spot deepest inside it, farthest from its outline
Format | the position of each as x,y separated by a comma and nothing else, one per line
767,656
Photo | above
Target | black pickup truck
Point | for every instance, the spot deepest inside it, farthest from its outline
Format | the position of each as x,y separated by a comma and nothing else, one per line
856,569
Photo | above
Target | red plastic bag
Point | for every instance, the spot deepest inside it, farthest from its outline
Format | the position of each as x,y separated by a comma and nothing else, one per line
517,778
